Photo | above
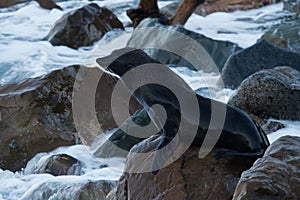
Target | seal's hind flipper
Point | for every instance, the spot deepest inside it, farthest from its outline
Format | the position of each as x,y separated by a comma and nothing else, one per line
222,153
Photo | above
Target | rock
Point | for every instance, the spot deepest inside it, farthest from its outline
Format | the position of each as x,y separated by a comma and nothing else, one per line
145,9
158,37
8,3
271,93
62,164
92,190
170,9
211,6
276,175
261,55
268,125
47,4
96,190
285,34
37,114
187,178
120,143
36,117
292,6
83,27
272,126
56,165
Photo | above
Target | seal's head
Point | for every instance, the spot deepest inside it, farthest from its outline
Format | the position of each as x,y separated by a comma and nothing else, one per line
123,60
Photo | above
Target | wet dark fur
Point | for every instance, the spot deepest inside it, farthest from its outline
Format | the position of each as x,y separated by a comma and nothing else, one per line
240,135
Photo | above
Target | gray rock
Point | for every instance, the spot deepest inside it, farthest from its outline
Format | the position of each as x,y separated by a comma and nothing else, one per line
170,9
85,190
276,176
292,5
83,27
262,55
163,36
271,93
285,34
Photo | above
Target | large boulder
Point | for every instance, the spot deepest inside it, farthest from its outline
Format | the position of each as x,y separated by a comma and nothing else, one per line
292,6
8,3
37,114
285,34
262,55
83,27
211,6
153,38
270,93
47,4
276,176
189,177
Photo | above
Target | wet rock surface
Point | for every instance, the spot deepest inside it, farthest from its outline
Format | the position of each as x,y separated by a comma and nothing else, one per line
271,93
83,27
47,4
276,175
164,41
187,178
262,55
62,164
37,114
92,190
292,6
285,34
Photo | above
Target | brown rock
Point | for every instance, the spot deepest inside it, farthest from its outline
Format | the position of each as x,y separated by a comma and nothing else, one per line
272,126
276,176
145,9
211,6
37,114
36,117
187,178
62,164
47,4
83,27
268,125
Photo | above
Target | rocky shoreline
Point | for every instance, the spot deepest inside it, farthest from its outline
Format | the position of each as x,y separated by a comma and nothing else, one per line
37,115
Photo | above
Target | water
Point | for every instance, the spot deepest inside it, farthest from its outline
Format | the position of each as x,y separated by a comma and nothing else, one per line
25,54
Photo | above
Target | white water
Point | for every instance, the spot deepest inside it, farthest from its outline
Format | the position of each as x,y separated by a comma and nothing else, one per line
24,54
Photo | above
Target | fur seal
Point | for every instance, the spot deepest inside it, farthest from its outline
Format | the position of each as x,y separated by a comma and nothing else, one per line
240,136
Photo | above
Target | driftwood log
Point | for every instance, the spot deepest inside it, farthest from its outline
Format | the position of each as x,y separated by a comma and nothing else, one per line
149,9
